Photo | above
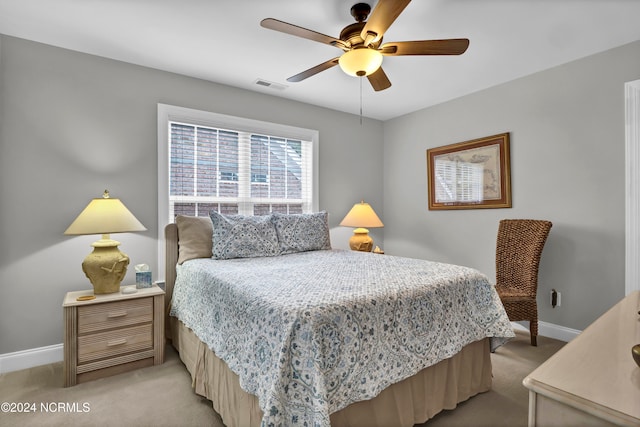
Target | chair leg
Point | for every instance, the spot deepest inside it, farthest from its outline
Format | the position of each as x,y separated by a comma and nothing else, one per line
533,327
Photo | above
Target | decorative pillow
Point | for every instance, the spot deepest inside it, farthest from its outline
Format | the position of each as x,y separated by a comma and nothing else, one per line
194,237
302,232
239,236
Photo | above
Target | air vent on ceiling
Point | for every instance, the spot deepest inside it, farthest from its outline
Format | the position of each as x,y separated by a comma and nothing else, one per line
270,85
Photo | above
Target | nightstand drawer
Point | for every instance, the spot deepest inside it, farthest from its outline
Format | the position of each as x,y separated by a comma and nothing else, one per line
99,317
112,343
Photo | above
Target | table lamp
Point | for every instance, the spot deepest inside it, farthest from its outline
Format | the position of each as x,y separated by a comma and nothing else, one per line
106,266
361,216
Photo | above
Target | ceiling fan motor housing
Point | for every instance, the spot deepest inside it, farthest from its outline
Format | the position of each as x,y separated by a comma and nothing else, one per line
351,34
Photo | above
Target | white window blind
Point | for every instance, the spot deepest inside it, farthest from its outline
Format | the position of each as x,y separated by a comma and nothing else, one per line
237,172
204,170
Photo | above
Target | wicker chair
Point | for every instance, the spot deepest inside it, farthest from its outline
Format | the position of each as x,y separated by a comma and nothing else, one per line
518,249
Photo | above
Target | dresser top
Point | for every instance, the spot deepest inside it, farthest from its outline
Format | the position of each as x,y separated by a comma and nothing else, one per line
596,368
70,299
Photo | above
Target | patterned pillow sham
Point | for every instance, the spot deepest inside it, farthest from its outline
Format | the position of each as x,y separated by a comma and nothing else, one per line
239,236
302,232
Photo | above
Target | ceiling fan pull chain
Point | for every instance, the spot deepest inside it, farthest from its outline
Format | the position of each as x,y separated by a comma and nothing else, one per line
361,77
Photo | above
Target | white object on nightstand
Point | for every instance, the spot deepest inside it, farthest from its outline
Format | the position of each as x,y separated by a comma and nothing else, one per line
129,290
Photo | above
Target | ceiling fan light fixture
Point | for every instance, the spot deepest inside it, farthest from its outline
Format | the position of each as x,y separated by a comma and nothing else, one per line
360,61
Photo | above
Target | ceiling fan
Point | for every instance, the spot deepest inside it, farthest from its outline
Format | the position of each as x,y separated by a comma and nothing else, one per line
362,43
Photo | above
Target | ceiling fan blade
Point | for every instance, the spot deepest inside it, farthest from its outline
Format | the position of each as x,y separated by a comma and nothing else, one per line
425,47
294,30
379,80
313,70
381,18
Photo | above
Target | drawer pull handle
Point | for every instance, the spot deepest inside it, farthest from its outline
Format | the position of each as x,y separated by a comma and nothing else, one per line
116,314
116,342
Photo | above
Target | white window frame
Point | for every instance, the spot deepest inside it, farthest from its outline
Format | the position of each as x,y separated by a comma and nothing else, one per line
168,113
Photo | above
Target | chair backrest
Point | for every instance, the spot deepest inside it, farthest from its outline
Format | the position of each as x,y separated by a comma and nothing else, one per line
518,250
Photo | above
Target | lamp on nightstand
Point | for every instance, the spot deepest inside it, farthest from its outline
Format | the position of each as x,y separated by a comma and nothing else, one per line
106,266
361,216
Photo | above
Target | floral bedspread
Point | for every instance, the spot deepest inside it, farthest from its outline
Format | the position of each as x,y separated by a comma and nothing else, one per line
309,333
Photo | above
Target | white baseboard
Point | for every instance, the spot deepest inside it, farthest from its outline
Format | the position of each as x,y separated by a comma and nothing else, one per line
24,359
550,330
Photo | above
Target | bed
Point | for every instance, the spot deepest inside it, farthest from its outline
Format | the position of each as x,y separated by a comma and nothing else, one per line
291,332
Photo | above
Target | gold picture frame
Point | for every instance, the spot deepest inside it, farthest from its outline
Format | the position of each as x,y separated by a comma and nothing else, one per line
472,174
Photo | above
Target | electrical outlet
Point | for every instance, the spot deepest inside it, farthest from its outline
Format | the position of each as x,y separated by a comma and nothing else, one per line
559,299
556,298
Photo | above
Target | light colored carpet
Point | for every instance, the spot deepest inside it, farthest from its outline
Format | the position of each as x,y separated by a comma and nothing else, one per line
162,395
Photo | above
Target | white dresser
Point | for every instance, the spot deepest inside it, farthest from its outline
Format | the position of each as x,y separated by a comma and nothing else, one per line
593,380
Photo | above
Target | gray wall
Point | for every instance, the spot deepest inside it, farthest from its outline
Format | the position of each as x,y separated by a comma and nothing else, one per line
567,165
72,125
75,124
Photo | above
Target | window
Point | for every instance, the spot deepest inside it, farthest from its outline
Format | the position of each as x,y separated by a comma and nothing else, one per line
209,161
233,172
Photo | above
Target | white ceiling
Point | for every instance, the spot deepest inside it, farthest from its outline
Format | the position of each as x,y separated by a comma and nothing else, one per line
222,41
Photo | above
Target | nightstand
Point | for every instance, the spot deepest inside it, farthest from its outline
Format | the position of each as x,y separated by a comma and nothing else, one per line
112,333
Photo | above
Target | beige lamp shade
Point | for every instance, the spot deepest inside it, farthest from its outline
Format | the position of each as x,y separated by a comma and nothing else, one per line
104,216
106,266
363,217
360,61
